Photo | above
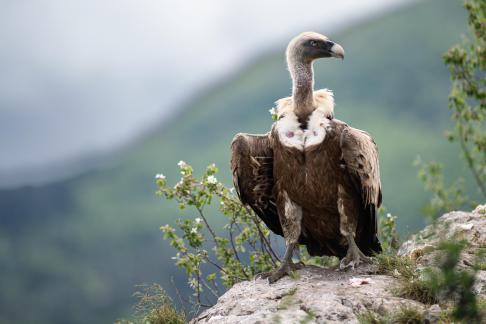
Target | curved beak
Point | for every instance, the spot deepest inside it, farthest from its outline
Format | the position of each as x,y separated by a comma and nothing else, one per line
337,51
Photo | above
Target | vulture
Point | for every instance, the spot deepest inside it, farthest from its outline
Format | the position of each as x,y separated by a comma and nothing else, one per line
312,179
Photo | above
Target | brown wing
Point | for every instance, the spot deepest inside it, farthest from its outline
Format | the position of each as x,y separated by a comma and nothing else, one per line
360,156
252,167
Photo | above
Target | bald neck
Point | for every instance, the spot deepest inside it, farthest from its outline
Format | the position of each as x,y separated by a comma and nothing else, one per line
302,88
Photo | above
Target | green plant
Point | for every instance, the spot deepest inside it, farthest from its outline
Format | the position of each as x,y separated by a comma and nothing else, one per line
450,283
404,315
412,283
408,315
235,251
444,197
417,288
369,317
467,99
467,102
387,232
394,265
154,307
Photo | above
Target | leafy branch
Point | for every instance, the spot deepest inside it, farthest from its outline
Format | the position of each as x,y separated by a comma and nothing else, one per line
467,102
234,252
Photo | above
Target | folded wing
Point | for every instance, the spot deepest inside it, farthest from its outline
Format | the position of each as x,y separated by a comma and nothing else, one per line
252,168
360,156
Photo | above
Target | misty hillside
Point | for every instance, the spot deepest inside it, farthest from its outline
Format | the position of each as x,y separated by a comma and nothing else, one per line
74,250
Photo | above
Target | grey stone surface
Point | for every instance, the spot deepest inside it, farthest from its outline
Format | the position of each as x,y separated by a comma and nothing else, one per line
319,295
468,226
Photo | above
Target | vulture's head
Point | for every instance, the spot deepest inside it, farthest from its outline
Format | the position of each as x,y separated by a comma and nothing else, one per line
309,46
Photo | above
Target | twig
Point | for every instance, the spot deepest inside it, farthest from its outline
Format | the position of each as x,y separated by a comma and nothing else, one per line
178,293
267,243
470,161
205,284
215,285
221,269
234,249
232,243
207,224
198,295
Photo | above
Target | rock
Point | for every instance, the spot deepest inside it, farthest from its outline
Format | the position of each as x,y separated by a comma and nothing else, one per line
468,226
321,295
432,315
318,295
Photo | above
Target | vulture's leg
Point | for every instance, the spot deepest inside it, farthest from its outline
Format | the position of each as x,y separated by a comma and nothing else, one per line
348,211
290,215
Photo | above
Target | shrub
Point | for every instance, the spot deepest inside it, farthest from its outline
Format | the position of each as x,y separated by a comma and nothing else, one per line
210,254
154,307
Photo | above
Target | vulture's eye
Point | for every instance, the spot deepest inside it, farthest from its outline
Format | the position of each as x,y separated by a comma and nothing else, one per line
313,43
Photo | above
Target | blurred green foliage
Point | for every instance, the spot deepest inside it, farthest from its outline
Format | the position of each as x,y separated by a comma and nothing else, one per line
387,232
404,315
243,250
445,197
467,102
74,250
154,307
449,283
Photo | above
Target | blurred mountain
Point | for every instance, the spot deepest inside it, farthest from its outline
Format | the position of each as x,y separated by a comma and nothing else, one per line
72,251
83,77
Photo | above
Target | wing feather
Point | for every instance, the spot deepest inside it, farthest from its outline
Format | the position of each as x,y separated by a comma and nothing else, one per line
252,168
360,155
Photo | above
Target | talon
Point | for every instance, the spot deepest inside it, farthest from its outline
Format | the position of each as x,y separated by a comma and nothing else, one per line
354,257
280,273
285,270
299,265
346,265
286,267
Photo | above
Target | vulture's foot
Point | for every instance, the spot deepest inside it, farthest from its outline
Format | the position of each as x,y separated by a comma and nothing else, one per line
285,269
353,258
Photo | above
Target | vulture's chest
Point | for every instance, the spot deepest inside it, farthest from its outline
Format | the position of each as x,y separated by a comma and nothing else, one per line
306,161
291,134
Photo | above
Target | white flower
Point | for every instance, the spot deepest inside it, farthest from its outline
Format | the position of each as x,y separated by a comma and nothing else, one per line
198,220
166,227
389,215
181,164
178,184
194,230
232,190
212,179
159,176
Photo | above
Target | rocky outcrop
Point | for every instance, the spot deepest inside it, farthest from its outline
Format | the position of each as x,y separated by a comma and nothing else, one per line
317,296
320,295
458,225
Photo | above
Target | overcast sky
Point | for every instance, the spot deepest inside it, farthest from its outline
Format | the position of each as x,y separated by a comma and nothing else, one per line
81,76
